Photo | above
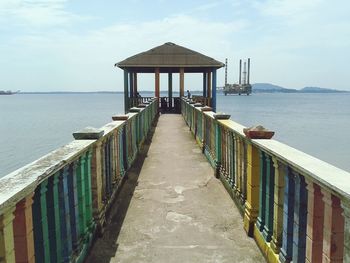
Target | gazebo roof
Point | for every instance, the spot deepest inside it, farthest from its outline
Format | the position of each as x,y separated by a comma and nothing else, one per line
169,57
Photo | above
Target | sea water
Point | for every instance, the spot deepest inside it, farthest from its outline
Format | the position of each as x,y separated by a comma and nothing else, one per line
32,125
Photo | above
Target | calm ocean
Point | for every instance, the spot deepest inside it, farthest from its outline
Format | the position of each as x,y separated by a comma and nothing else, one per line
32,125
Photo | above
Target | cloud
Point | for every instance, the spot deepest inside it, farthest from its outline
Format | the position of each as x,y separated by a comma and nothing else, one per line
291,43
85,62
287,8
34,13
208,6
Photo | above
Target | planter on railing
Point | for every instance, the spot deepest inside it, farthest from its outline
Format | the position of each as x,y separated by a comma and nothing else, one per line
51,209
295,206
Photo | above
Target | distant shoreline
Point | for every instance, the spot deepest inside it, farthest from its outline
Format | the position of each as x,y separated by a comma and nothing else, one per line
193,92
256,88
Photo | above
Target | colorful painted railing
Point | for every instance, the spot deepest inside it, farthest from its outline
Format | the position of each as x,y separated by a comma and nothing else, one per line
295,206
51,209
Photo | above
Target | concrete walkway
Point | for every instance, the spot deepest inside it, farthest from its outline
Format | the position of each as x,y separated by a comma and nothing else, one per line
172,209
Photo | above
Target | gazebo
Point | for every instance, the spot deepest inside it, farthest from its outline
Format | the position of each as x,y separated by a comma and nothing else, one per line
169,58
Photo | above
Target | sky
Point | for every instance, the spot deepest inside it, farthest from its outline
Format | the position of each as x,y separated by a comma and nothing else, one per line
72,45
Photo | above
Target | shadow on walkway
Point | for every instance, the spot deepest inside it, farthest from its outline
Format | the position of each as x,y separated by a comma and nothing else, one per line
105,248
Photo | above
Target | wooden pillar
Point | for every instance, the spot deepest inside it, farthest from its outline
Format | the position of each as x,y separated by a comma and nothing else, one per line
132,96
182,82
204,84
252,202
333,229
213,103
170,89
280,171
126,92
315,220
135,82
157,83
209,88
7,248
131,84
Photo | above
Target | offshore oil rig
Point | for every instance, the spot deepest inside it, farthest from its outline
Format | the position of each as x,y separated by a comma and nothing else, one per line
243,86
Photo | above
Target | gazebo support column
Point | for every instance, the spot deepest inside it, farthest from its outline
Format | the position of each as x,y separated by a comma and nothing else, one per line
204,84
131,86
170,89
182,82
209,89
157,82
213,102
126,92
135,83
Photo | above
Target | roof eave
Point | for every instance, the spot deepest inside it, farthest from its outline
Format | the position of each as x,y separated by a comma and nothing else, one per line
168,66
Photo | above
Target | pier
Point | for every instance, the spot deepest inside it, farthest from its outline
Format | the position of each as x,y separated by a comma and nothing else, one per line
166,183
178,211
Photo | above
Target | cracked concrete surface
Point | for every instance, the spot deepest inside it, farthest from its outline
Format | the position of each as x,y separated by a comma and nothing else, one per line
172,209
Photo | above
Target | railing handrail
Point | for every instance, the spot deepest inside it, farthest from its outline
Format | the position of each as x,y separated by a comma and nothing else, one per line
326,175
17,184
295,206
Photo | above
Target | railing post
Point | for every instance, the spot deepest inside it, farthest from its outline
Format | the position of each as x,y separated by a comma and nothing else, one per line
232,162
96,166
88,191
333,229
288,218
262,192
218,149
280,170
252,202
53,216
300,218
120,152
238,180
7,247
243,171
204,135
315,221
81,185
65,226
270,178
41,230
23,231
73,205
346,213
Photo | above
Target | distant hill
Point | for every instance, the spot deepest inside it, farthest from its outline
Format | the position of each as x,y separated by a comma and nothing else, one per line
320,90
267,87
271,88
